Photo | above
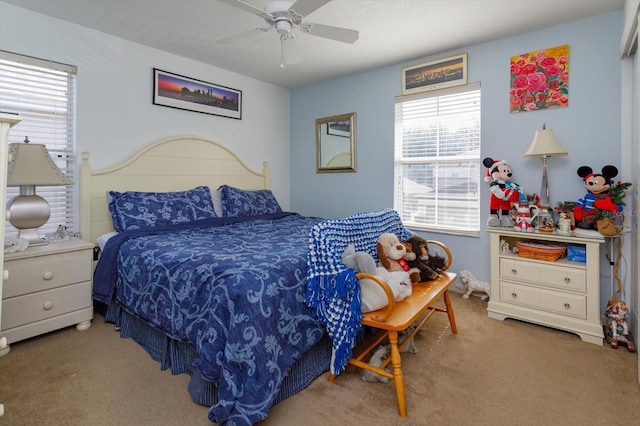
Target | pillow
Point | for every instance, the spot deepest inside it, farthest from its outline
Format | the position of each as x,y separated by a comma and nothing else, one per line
137,210
102,239
216,196
239,203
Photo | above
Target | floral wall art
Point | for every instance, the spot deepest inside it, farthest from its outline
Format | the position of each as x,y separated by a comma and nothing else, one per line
540,80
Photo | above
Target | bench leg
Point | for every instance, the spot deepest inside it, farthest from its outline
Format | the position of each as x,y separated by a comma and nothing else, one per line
398,378
450,314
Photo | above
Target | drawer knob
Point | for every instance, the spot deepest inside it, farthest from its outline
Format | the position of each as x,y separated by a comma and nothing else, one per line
47,275
47,305
514,271
514,295
567,280
567,306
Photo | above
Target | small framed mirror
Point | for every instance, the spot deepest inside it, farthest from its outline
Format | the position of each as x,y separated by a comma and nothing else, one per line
336,143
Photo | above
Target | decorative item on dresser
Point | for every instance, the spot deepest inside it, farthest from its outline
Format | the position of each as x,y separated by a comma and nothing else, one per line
544,145
29,166
551,291
48,288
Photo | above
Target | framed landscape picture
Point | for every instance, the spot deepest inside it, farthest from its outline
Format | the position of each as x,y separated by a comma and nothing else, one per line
177,91
439,74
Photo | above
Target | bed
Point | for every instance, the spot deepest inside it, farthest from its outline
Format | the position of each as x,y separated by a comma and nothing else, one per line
219,298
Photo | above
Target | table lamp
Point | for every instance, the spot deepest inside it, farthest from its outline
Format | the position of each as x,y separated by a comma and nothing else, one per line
544,145
30,165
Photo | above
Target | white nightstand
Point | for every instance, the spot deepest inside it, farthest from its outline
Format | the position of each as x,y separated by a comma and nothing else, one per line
48,287
561,294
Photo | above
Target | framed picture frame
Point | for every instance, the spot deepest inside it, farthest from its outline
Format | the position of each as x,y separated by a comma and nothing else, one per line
539,80
339,128
177,91
438,74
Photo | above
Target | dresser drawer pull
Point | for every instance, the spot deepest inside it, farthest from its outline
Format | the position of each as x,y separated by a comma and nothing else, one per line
47,305
514,271
567,306
567,280
514,295
5,274
47,275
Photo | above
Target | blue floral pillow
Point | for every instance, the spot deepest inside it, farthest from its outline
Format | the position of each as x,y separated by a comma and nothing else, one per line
239,203
137,210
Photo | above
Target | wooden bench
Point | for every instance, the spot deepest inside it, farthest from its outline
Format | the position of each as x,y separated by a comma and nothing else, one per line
416,310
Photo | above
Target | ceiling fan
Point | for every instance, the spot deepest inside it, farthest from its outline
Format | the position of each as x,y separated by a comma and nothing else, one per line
285,16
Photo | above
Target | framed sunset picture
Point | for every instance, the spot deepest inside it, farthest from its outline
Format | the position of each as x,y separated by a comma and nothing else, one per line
177,91
540,80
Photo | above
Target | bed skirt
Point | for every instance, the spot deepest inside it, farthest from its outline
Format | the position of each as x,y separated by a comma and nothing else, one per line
179,357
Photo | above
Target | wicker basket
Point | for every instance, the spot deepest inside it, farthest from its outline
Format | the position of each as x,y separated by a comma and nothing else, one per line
535,250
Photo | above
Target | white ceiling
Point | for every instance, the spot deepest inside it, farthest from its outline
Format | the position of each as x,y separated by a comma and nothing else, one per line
391,31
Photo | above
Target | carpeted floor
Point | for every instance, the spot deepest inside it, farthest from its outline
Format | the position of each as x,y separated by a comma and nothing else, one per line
490,373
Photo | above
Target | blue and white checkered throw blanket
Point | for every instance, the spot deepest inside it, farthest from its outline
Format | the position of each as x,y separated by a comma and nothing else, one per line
332,289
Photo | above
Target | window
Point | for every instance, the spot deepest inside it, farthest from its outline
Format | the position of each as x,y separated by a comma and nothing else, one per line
43,93
437,160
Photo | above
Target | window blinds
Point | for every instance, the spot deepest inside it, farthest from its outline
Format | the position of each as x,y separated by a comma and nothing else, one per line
437,159
43,93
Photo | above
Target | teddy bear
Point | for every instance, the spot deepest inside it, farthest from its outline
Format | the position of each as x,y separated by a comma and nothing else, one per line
597,196
429,265
503,191
392,255
372,296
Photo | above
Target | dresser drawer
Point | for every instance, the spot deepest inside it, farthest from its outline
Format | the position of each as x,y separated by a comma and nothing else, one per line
568,304
30,275
554,276
17,311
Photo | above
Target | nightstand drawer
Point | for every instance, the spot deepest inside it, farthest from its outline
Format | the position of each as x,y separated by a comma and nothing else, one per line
552,301
550,275
30,275
34,307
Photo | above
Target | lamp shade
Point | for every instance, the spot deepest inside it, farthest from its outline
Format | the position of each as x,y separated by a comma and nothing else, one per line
545,144
31,164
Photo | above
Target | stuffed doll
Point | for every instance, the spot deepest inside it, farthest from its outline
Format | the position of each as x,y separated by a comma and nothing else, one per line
597,196
429,265
392,256
503,191
372,296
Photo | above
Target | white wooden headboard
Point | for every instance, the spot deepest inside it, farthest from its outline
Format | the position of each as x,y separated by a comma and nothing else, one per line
173,164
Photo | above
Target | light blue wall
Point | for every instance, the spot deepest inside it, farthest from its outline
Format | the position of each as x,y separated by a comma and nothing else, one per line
589,128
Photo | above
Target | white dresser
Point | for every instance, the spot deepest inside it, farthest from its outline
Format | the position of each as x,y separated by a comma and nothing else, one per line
47,287
561,294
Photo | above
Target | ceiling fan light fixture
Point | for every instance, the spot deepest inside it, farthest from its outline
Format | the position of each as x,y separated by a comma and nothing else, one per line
283,26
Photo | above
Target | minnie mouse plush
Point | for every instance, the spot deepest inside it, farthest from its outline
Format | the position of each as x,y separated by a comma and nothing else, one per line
503,191
597,197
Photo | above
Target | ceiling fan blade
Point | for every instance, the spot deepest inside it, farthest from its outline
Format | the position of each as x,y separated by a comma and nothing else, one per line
249,8
305,7
344,35
289,54
242,36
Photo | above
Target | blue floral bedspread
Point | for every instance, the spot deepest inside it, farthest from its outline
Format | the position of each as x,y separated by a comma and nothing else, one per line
233,289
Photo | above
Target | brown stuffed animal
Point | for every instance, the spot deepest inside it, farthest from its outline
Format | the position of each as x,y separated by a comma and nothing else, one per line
391,253
428,265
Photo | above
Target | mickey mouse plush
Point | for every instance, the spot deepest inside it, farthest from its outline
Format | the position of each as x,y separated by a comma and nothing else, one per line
503,191
597,197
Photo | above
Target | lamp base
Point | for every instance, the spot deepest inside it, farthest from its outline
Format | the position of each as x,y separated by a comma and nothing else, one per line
26,213
31,235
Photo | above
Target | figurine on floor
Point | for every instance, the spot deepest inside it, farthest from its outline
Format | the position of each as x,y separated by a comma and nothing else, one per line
376,360
617,332
473,284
